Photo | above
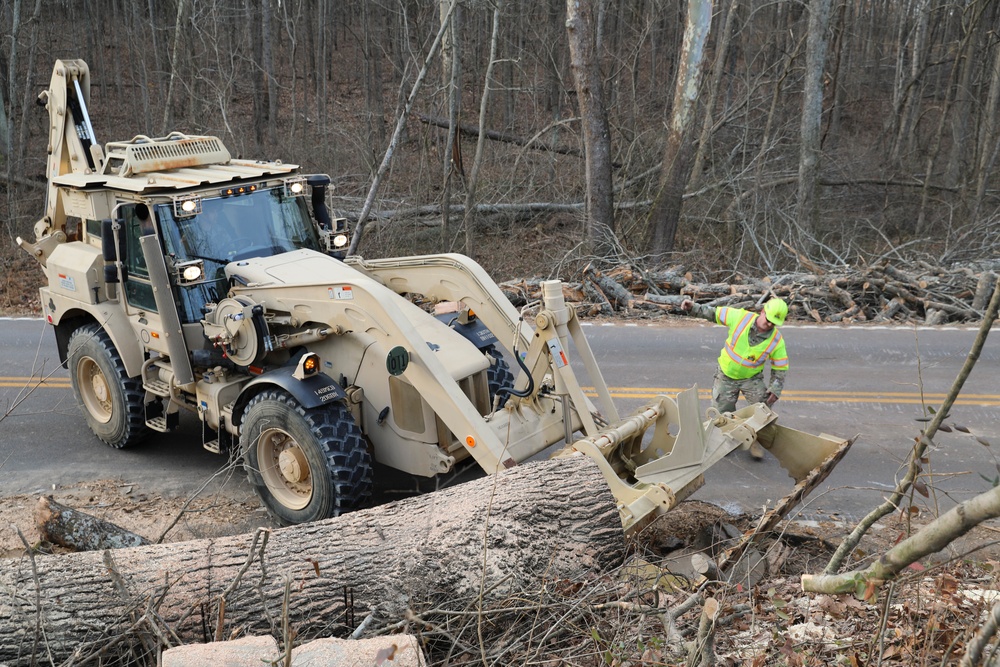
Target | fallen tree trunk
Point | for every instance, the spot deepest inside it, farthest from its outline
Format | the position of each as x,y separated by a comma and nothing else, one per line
80,531
475,546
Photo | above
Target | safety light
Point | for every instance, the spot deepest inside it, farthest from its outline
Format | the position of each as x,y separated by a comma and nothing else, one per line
307,367
296,188
189,206
310,364
238,190
340,240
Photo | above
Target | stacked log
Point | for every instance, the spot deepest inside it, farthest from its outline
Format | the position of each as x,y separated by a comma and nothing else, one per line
920,293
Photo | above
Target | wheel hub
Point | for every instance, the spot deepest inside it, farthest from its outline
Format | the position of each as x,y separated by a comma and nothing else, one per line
293,465
95,391
100,387
284,468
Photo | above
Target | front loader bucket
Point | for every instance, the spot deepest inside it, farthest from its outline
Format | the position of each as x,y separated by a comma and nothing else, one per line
649,476
798,452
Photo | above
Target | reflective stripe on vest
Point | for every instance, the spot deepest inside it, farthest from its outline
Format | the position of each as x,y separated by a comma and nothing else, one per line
740,360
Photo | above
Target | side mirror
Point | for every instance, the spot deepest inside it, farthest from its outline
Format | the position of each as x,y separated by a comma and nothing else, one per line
108,248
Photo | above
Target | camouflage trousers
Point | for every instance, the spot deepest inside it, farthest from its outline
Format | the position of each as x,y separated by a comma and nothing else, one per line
726,390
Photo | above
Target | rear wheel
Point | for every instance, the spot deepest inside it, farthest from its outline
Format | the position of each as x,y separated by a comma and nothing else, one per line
305,465
112,401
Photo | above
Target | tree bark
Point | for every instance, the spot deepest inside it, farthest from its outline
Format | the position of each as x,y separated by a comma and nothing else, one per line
473,545
807,207
581,27
80,531
470,191
666,213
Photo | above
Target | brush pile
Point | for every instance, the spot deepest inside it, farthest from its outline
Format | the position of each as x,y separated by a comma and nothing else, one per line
920,293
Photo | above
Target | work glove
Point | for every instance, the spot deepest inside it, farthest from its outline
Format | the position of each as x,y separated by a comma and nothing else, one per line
771,399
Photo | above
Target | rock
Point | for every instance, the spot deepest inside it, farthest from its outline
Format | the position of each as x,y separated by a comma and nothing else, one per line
243,652
388,651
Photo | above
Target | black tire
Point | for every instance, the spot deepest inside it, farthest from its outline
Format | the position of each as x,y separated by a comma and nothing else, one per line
112,401
305,465
498,375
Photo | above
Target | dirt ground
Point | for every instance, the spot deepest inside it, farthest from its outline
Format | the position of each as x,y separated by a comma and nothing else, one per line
129,506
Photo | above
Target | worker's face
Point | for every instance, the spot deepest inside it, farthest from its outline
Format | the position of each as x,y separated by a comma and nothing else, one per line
763,323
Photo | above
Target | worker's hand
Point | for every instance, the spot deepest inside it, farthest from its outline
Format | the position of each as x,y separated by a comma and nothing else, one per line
771,399
687,305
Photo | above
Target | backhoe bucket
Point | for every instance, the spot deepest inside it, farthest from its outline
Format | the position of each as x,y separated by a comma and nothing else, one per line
650,475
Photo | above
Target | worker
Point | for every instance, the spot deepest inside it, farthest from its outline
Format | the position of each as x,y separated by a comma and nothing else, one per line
753,339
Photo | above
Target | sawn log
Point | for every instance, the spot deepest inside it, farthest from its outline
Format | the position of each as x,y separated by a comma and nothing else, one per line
80,531
479,543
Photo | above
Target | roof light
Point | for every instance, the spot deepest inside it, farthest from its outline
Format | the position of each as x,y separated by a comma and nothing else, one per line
185,207
295,187
238,190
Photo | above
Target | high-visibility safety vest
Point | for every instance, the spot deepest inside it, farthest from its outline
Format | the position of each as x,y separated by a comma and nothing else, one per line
741,360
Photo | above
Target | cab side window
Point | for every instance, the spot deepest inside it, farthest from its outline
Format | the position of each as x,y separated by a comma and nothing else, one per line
137,222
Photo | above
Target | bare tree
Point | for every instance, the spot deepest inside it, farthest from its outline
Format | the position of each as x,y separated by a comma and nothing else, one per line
470,192
581,27
666,213
806,205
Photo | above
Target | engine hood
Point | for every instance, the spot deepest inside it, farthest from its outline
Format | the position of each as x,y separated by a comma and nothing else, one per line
313,287
299,267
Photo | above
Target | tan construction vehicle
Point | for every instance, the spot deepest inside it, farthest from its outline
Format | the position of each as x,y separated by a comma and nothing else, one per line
181,279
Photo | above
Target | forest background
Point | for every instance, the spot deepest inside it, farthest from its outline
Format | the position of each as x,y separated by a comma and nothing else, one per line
733,137
737,138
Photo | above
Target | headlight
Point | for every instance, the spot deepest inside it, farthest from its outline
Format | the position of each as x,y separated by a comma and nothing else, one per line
191,273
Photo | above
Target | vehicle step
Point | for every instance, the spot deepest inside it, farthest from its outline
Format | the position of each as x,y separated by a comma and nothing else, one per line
213,446
157,387
158,424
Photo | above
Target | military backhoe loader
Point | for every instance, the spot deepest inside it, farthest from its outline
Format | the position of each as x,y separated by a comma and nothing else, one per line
181,279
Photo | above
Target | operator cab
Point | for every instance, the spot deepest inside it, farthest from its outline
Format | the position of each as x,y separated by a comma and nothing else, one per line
219,230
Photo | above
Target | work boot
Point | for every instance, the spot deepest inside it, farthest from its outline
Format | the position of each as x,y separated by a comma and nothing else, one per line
756,451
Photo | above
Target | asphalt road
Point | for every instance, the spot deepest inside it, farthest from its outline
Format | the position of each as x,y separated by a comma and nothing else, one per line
866,381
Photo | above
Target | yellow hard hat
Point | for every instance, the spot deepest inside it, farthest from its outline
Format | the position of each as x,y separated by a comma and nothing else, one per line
775,311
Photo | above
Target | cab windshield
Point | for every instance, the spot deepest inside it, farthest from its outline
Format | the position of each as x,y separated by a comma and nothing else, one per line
228,229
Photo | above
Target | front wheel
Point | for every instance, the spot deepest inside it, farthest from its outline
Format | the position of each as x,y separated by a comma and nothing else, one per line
305,465
112,401
498,375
